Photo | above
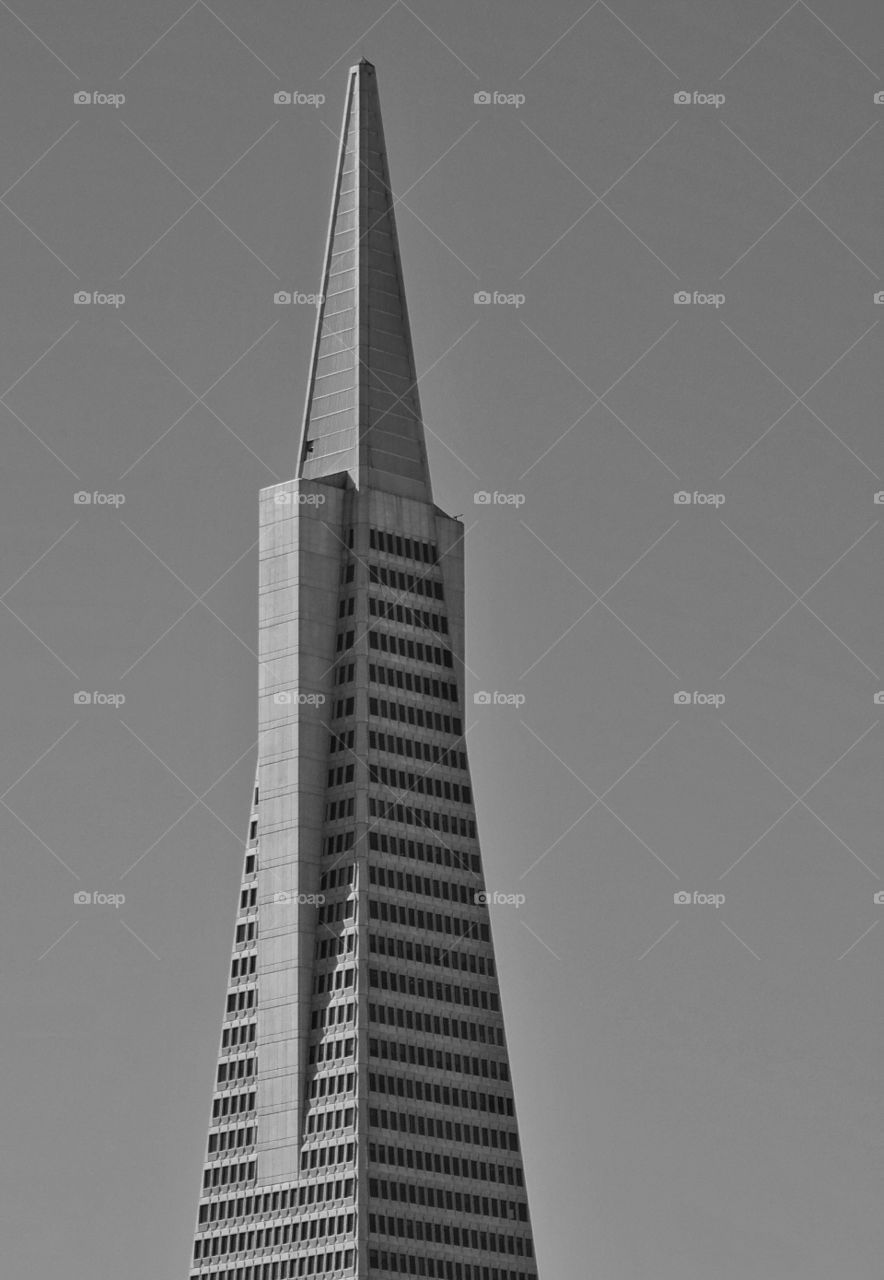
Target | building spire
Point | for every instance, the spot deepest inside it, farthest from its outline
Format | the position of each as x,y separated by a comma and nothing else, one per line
362,413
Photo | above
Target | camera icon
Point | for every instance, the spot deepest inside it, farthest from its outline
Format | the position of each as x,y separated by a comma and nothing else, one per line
82,299
482,98
682,498
482,498
879,98
879,898
82,699
879,698
282,98
481,898
282,897
82,498
681,99
879,498
81,898
682,298
482,298
283,698
682,698
482,699
282,297
681,899
879,299
81,97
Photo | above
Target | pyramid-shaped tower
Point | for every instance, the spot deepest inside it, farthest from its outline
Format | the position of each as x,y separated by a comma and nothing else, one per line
363,1122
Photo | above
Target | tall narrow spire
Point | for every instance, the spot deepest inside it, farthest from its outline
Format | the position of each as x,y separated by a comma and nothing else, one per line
362,412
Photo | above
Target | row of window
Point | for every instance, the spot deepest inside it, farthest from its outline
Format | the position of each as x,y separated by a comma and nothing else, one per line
406,713
407,815
405,882
441,1095
240,1034
322,1121
247,896
328,1050
273,1237
405,647
335,946
329,1086
232,1104
441,1198
406,949
428,587
434,1162
343,808
445,690
404,614
320,1157
342,741
443,1130
419,784
317,1264
344,673
338,877
343,909
245,998
409,1265
439,1233
274,1201
222,1175
438,853
415,749
405,548
246,932
415,918
227,1139
419,1055
243,966
336,980
339,843
434,1025
427,989
332,1015
337,777
235,1069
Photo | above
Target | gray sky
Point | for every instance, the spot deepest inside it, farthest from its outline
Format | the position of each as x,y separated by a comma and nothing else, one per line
696,1084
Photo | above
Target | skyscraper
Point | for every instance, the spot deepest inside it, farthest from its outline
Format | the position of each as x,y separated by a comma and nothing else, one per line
363,1122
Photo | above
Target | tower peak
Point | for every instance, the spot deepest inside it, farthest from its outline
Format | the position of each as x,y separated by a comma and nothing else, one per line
362,412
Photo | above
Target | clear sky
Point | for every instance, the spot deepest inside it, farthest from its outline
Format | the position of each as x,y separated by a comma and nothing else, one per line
698,1084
